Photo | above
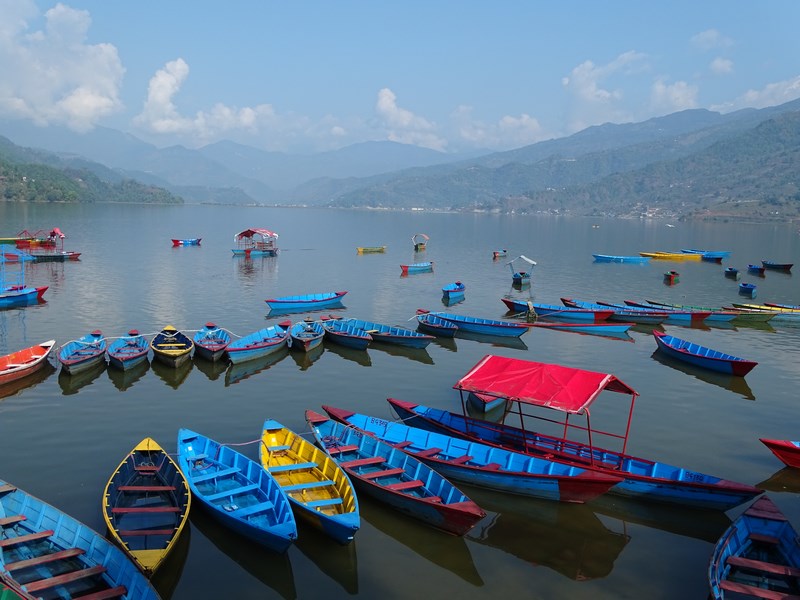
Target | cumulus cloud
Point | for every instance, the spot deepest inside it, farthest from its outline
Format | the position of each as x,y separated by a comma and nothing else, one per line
667,98
52,75
771,94
710,39
405,127
721,66
509,132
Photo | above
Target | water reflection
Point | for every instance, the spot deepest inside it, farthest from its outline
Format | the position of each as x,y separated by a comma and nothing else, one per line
785,480
495,340
242,371
737,385
417,354
446,342
305,359
70,384
248,267
14,387
210,368
166,579
125,378
172,376
447,301
340,563
358,356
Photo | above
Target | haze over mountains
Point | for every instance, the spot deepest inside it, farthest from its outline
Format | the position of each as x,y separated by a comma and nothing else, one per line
687,164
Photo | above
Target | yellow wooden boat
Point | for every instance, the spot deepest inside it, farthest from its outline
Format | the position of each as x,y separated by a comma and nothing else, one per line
319,490
370,249
682,256
146,505
774,309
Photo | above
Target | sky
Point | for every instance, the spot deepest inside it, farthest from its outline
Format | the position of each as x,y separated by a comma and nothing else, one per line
454,76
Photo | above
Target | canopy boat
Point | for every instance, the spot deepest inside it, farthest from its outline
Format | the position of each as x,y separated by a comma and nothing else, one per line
306,335
672,277
569,391
499,254
703,357
258,344
83,353
677,256
420,267
256,242
482,326
211,342
146,505
521,276
45,553
454,290
370,249
556,311
757,556
345,334
13,291
435,325
390,334
24,362
304,302
172,347
395,478
747,289
38,239
420,241
317,487
625,315
776,266
186,242
787,451
756,269
620,259
128,351
237,491
481,465
52,250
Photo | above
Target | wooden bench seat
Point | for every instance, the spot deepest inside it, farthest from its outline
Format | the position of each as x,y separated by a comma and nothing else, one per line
7,487
144,509
255,508
12,520
292,467
758,565
383,473
51,582
214,474
460,460
764,539
307,485
24,539
404,444
115,592
43,559
362,462
750,590
428,453
141,532
324,502
146,488
233,491
405,485
341,449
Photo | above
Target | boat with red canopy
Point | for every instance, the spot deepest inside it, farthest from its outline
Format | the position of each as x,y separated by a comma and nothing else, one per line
527,386
256,242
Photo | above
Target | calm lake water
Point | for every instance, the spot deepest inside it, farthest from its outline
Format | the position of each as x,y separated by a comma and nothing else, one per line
61,438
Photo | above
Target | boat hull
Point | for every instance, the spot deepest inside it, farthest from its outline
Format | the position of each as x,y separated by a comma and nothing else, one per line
621,259
389,334
484,326
127,352
305,302
27,361
258,344
346,335
172,347
787,451
83,354
211,342
433,325
703,357
306,335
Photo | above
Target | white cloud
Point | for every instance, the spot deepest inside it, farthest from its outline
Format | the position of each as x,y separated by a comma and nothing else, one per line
53,76
721,66
509,132
710,39
405,127
771,94
667,98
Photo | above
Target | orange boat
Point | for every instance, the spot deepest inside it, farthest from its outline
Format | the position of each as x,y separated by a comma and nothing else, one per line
23,362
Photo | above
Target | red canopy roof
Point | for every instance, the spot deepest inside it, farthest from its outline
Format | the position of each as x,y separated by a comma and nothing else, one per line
248,233
540,384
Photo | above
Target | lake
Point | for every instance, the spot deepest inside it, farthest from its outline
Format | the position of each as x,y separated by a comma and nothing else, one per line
61,437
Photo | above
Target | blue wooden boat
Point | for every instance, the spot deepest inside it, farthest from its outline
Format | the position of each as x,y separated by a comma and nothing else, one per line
172,347
420,267
211,342
45,553
481,326
306,335
756,269
602,328
703,357
186,242
474,463
521,276
758,556
747,289
625,315
317,487
390,334
344,334
395,478
258,344
454,290
785,306
13,291
620,259
557,311
710,253
84,353
256,242
127,351
732,273
304,302
237,491
776,266
673,316
569,391
435,325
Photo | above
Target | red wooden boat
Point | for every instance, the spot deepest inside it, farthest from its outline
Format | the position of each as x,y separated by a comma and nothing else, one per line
24,362
787,451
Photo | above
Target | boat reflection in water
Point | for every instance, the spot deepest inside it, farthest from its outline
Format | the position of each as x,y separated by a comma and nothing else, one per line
212,369
785,480
737,385
122,380
240,372
305,359
172,376
166,578
417,354
71,384
339,563
499,341
357,356
14,387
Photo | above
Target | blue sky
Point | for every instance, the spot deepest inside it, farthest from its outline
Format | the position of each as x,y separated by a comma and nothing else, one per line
305,77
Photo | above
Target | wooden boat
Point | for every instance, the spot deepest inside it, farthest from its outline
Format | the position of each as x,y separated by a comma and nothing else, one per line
211,342
389,334
786,306
420,241
677,256
306,335
521,276
171,347
747,289
454,290
305,302
621,259
317,487
24,362
758,556
481,465
83,353
395,478
13,291
127,351
146,505
45,553
258,344
756,269
731,273
54,256
703,357
435,325
716,313
776,266
569,391
186,242
482,326
673,316
556,311
256,242
672,277
711,253
591,328
787,451
770,308
499,254
345,334
625,315
237,491
779,315
420,267
370,249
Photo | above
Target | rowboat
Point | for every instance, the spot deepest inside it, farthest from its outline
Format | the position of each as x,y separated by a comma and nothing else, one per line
787,451
570,391
556,311
770,308
395,478
237,491
481,465
716,313
712,253
389,334
305,302
677,256
789,306
779,315
756,269
621,259
625,315
757,556
521,276
776,266
24,362
431,323
370,249
211,341
700,356
186,242
454,290
127,351
318,489
499,254
256,242
603,328
258,344
83,353
45,553
747,289
672,277
146,505
420,241
306,335
345,334
171,347
673,316
420,267
731,273
482,326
